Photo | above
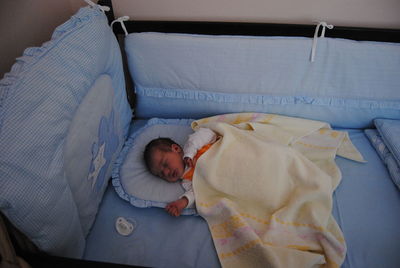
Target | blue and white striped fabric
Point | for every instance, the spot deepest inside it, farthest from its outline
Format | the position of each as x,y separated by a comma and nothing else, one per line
385,154
390,133
349,83
63,119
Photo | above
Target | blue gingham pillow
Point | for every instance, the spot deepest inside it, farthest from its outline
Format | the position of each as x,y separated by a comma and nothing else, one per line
63,119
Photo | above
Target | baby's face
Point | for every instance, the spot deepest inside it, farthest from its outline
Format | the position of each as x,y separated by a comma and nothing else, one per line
168,165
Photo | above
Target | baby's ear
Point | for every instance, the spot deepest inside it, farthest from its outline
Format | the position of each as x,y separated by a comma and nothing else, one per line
176,148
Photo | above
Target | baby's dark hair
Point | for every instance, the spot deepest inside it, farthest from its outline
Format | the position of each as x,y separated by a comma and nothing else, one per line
162,144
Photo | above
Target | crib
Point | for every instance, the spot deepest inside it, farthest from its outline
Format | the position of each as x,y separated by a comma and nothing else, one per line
73,122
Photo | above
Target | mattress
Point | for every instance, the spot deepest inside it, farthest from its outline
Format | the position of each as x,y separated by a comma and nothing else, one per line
366,206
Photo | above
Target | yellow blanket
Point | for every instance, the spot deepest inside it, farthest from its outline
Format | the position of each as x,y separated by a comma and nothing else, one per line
265,188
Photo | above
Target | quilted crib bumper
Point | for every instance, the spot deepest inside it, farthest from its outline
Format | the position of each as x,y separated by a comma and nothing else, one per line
348,85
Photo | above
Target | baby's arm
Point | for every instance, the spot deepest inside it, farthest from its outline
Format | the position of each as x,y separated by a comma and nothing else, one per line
175,208
187,199
198,139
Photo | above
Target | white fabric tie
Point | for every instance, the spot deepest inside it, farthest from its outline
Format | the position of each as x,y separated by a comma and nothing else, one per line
121,20
315,40
102,8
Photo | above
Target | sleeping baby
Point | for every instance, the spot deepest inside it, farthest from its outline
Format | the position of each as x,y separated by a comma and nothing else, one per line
166,159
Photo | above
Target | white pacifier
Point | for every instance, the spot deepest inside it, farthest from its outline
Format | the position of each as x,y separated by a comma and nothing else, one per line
124,227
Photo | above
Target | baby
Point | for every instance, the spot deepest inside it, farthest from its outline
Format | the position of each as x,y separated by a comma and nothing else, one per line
164,158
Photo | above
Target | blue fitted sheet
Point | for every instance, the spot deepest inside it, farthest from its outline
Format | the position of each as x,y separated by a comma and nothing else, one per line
159,240
366,206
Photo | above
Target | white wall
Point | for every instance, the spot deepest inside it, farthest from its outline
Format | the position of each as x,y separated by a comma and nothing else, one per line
26,23
367,13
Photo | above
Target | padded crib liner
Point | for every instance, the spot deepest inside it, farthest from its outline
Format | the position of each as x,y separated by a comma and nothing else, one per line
366,200
206,75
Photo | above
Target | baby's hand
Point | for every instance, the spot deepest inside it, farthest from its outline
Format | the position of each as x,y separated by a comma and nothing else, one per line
188,161
175,208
